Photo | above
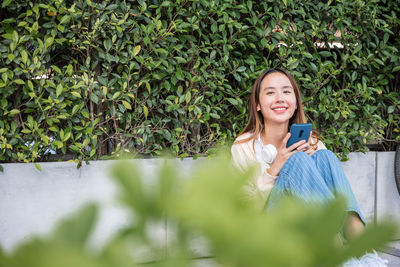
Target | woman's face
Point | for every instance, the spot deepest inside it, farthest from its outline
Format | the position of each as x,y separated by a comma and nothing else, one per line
277,98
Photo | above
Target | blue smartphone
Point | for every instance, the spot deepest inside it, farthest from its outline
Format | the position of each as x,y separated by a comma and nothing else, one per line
299,131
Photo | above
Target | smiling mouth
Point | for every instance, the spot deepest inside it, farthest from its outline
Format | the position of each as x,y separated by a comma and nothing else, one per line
279,109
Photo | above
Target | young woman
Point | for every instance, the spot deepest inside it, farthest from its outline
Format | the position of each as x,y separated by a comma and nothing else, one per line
306,170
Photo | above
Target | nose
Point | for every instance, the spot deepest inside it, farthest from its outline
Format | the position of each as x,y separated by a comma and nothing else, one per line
279,97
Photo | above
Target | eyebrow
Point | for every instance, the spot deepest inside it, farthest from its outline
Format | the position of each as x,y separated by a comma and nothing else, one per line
284,87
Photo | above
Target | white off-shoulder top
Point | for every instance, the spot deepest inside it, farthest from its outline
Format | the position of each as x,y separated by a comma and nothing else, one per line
262,156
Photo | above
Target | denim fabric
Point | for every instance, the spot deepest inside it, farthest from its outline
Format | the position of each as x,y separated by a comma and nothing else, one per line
314,179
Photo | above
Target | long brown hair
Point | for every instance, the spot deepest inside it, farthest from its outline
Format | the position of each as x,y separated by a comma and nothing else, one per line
256,119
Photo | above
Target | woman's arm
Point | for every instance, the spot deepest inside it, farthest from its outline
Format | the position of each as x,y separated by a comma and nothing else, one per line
258,188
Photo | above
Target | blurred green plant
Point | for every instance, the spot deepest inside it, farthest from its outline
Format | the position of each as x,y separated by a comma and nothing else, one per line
209,203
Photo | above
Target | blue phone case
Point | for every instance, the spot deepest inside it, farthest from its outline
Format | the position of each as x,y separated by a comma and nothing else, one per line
299,131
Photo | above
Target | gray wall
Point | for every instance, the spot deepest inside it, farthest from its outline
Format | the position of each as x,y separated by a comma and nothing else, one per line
32,201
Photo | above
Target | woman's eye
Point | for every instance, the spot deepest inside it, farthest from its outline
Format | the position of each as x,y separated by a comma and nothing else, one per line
287,92
270,93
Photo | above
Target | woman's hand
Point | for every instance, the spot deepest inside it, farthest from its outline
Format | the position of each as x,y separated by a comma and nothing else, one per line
284,154
306,147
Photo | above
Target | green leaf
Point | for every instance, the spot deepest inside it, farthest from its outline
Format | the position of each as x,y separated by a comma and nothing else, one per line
24,56
61,28
145,111
58,144
112,7
314,67
65,19
233,101
74,93
85,114
76,231
48,42
59,89
379,61
1,169
325,53
8,36
241,69
136,50
188,97
69,70
116,95
94,98
86,142
215,116
391,109
19,81
250,5
37,165
214,27
102,80
15,37
5,3
395,69
4,103
180,60
237,77
358,48
107,44
57,69
67,136
127,105
11,57
179,75
143,7
92,152
13,112
385,38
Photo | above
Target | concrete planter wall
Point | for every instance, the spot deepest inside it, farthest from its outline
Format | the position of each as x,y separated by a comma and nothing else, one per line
32,202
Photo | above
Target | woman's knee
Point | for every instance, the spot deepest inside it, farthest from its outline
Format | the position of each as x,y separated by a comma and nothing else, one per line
300,157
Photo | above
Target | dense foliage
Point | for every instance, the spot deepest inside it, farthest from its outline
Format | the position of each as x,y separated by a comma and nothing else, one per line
224,226
87,78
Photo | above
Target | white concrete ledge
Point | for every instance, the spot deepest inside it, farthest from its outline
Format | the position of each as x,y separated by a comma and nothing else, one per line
32,202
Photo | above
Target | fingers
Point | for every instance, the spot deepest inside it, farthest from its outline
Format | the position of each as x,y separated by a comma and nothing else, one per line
303,147
307,148
296,145
310,138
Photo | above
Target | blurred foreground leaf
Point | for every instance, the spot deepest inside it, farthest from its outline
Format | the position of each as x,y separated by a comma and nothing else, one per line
66,247
210,205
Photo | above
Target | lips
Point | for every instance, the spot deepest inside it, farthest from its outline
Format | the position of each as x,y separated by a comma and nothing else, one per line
279,108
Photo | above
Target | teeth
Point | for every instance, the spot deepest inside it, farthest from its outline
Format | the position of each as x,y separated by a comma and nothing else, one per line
279,108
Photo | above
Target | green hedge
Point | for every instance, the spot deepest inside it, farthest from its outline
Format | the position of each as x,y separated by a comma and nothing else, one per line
87,78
